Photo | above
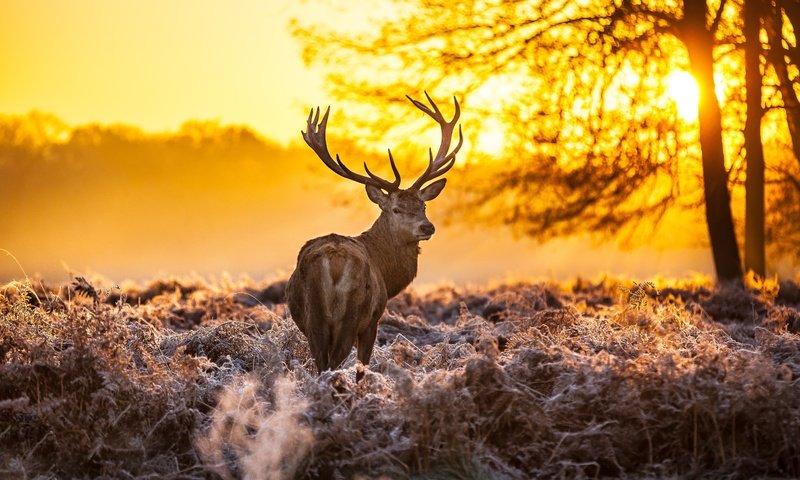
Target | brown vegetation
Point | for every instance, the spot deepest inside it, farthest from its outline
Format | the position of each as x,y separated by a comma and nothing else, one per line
607,378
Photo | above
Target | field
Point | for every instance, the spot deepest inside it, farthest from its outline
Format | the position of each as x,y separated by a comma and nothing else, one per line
587,379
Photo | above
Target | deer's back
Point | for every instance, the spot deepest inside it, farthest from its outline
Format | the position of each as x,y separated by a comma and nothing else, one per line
335,292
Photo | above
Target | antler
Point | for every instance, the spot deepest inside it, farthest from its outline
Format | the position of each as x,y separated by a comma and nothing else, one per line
444,161
315,138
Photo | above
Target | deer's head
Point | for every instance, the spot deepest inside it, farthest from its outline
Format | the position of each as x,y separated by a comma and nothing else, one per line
403,209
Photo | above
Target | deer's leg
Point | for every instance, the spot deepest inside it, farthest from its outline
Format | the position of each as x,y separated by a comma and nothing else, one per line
319,344
315,319
365,344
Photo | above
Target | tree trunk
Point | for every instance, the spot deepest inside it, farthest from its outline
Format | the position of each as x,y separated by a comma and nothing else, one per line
777,57
754,249
699,45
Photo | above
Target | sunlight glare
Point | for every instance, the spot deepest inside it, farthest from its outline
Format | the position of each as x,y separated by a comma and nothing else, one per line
491,139
682,89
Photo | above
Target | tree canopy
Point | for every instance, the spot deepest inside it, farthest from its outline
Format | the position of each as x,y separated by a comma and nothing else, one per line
592,138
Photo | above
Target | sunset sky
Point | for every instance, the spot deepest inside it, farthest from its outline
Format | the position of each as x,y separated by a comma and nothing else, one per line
155,65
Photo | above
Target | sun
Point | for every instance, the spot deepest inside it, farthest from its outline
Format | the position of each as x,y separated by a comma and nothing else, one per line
492,138
683,90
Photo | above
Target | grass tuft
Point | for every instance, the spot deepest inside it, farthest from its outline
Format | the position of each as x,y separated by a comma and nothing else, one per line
608,378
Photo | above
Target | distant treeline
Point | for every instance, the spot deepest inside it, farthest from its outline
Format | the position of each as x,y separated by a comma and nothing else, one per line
108,196
212,198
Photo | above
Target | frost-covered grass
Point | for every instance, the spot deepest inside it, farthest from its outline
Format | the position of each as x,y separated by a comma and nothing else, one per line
607,378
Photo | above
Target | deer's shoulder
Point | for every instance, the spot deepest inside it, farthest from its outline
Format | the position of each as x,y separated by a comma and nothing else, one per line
332,245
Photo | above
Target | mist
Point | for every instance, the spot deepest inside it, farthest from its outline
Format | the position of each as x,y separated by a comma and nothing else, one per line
210,199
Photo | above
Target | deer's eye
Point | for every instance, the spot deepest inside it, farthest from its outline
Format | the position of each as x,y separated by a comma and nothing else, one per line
396,210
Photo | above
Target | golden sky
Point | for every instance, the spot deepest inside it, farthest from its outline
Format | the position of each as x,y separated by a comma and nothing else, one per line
156,64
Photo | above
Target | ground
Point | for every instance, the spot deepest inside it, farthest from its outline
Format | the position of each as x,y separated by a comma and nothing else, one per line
601,378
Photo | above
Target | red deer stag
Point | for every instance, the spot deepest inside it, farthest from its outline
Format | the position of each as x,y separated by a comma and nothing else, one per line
340,286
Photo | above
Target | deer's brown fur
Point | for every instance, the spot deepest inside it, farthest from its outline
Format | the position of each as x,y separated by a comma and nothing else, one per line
335,297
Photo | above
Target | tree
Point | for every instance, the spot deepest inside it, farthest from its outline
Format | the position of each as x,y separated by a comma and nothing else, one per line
699,41
596,144
754,241
781,20
784,55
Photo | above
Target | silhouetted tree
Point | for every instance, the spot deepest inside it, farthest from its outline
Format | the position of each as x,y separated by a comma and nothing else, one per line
782,23
754,241
699,40
784,56
595,145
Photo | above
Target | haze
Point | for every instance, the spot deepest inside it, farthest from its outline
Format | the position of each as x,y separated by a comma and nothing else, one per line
155,65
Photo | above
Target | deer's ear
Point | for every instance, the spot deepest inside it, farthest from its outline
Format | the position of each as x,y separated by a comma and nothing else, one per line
377,196
433,190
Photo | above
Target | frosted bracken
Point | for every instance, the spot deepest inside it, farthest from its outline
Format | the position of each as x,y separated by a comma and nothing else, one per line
607,378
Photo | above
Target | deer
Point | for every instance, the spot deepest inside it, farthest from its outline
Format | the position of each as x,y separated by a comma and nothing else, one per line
340,286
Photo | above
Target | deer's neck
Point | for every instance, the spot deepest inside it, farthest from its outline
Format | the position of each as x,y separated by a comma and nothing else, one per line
396,259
